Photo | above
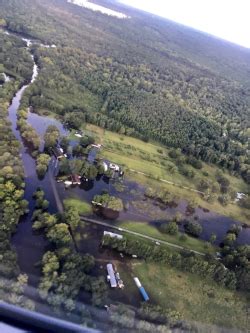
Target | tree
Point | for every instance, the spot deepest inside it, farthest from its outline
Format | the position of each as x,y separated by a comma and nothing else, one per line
64,167
172,169
42,163
212,238
64,143
178,217
43,220
99,291
59,234
72,218
191,205
74,119
193,228
224,182
204,185
235,229
224,199
107,201
229,239
86,140
92,172
50,263
170,228
51,136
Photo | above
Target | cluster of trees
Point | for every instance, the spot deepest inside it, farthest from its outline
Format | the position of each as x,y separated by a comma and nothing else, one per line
15,62
51,137
207,267
163,89
108,201
13,291
57,232
238,260
64,271
172,228
28,133
193,228
77,166
82,167
149,318
161,194
42,163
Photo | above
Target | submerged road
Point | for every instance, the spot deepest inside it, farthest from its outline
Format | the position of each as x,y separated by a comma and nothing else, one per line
168,182
89,220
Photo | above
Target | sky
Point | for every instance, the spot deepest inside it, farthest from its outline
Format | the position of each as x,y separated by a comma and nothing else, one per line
227,19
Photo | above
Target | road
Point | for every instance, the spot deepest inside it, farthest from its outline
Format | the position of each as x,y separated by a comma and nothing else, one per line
162,180
89,220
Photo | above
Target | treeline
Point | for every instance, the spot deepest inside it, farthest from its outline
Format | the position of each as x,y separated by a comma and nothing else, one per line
130,109
208,267
14,61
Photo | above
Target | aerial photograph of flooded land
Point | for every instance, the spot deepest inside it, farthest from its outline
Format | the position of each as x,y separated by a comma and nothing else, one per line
124,172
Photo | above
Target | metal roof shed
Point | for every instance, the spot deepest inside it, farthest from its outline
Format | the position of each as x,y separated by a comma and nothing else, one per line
111,274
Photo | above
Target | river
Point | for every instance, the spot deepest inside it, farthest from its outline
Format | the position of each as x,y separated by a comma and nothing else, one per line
30,246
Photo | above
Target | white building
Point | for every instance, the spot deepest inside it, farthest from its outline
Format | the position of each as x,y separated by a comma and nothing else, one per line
112,235
111,276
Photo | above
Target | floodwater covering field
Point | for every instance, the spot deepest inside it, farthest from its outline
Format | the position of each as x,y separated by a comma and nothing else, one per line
138,208
31,246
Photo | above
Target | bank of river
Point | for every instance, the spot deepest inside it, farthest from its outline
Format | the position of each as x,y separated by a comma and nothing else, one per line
31,246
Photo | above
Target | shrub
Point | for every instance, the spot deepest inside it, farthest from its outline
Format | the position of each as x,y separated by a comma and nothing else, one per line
170,228
193,228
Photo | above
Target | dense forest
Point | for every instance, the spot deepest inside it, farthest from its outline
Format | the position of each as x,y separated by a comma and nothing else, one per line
144,76
16,62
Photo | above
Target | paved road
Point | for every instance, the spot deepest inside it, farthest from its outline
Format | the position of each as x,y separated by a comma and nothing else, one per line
86,219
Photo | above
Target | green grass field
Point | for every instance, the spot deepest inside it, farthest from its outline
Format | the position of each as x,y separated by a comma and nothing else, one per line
149,230
84,208
153,159
195,298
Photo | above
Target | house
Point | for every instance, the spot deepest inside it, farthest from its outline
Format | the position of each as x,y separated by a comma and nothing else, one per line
58,153
114,167
111,276
76,179
112,235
